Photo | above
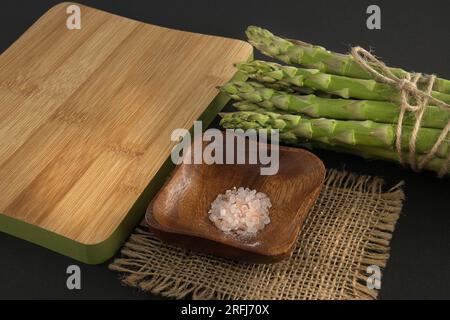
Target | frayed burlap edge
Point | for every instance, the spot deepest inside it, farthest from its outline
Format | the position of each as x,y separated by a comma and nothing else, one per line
376,248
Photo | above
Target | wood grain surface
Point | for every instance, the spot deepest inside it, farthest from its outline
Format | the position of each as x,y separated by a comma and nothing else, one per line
86,115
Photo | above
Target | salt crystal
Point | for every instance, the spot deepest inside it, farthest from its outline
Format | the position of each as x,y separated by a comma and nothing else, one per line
241,211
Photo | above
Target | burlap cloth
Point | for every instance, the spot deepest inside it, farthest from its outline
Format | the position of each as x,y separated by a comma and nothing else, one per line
348,229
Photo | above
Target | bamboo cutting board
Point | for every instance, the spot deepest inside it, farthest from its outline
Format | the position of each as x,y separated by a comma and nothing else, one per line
85,123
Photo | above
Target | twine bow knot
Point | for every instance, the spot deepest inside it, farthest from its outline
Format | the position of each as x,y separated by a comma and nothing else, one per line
409,93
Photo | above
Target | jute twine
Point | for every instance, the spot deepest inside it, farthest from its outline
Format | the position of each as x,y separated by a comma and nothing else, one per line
346,234
412,99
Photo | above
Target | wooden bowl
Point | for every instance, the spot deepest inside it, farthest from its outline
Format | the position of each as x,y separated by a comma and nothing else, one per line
179,213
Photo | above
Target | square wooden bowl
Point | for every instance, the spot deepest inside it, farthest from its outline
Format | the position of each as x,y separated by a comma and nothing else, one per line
179,213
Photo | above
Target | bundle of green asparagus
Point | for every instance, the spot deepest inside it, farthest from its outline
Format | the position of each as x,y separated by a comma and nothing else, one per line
333,103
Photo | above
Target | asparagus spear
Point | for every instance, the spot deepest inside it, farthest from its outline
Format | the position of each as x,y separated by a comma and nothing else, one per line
344,87
296,131
367,133
297,52
375,153
314,106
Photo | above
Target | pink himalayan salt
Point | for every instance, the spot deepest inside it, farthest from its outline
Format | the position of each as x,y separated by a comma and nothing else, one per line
241,211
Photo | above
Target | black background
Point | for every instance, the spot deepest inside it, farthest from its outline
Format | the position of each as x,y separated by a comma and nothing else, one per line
414,36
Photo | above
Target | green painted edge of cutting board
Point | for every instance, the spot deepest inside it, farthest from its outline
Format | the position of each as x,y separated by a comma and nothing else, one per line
101,252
